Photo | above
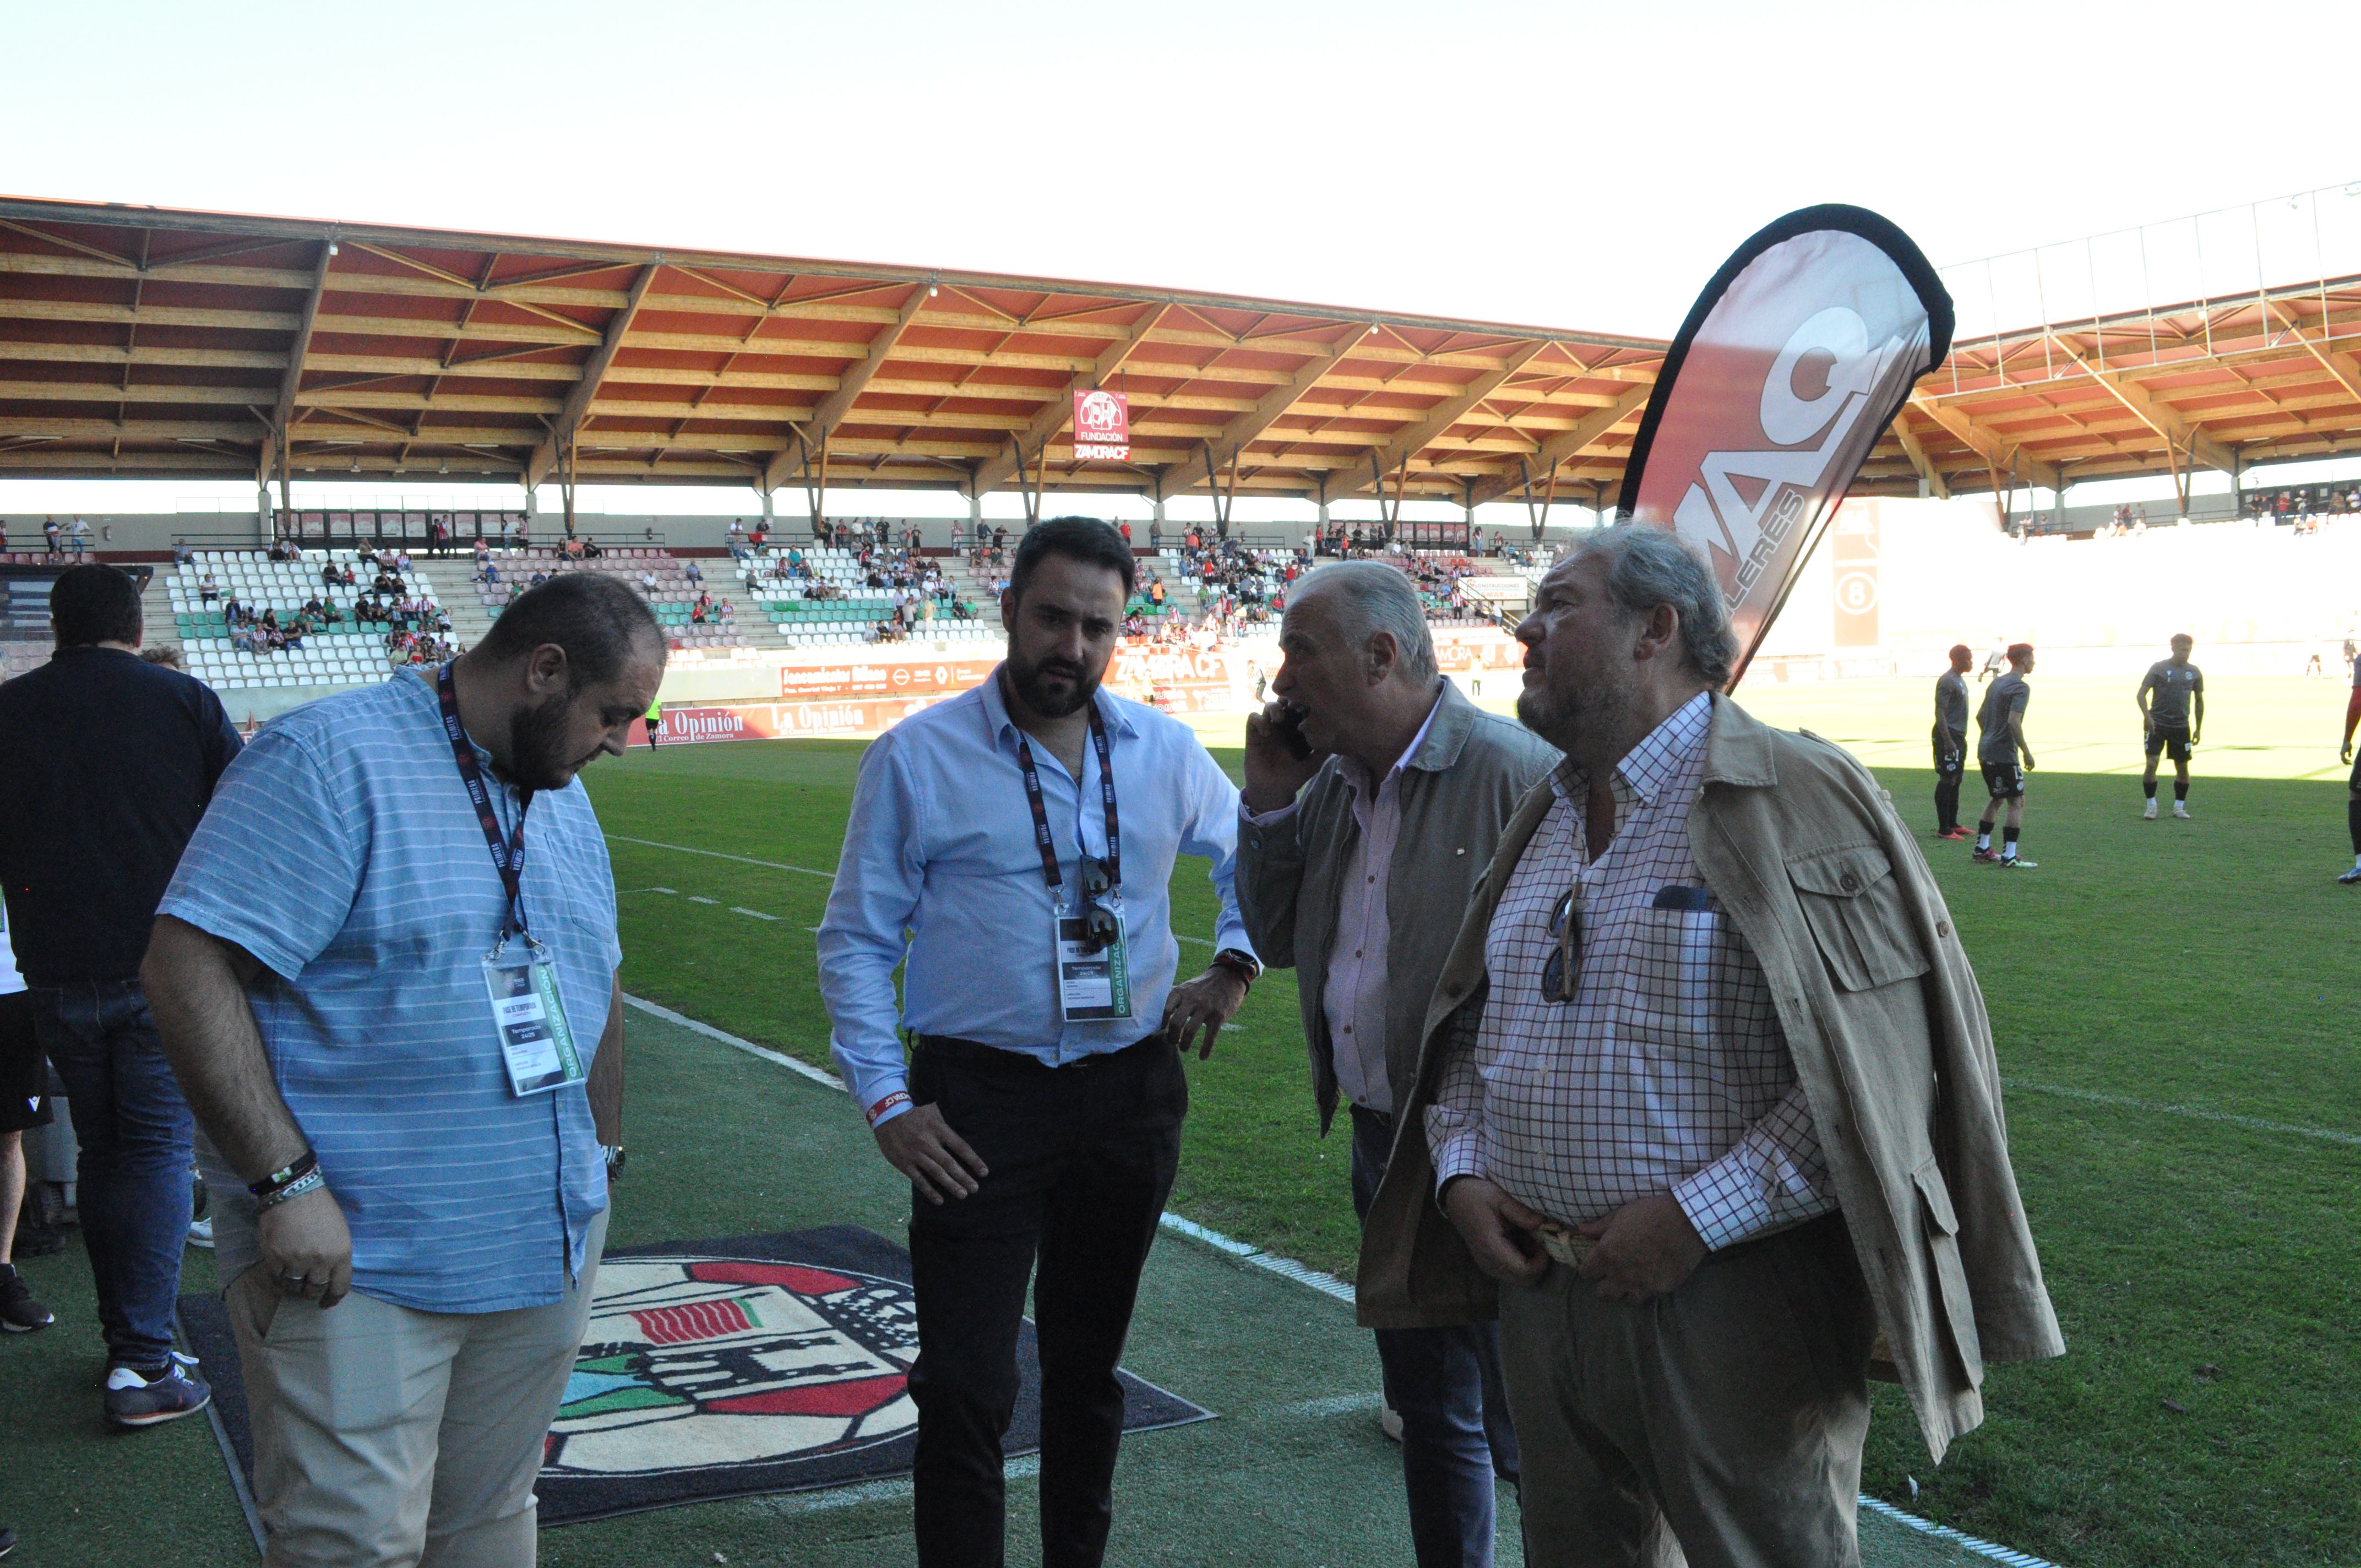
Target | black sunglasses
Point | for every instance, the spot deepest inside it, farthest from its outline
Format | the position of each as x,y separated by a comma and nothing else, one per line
1100,927
1562,973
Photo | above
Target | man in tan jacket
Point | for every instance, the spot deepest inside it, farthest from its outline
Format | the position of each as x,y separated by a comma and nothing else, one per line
1710,1099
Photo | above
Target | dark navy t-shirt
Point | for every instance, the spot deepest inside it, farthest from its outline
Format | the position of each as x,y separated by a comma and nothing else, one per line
106,765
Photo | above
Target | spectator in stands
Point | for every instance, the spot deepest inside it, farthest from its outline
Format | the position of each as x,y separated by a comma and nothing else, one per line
49,536
736,539
759,536
422,1246
483,556
165,654
106,764
591,550
401,562
539,578
207,589
183,556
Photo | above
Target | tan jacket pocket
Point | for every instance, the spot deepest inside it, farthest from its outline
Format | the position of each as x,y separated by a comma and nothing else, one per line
1950,1274
1859,920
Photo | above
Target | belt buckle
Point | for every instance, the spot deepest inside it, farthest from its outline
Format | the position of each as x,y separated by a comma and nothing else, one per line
1564,1244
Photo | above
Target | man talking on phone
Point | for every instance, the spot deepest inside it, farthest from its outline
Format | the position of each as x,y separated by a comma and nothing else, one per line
1024,833
1375,794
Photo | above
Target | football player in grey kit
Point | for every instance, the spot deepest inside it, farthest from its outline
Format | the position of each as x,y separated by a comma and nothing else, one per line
2172,713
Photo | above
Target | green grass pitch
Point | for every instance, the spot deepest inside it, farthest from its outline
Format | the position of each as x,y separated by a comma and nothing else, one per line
2171,1002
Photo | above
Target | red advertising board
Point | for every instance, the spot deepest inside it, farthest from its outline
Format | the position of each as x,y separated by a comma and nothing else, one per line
1102,427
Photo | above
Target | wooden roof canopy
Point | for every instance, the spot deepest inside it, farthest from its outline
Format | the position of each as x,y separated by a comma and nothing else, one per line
138,342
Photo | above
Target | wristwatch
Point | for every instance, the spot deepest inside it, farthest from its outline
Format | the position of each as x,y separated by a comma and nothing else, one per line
1245,966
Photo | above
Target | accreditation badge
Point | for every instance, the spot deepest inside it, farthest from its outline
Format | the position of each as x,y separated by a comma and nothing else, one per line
1094,982
535,1042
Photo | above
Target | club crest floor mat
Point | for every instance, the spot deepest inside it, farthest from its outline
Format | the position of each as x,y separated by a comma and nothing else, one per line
726,1368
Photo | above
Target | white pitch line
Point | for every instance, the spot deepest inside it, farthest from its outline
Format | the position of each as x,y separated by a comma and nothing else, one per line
1980,1547
2195,1113
717,855
778,1058
694,898
740,909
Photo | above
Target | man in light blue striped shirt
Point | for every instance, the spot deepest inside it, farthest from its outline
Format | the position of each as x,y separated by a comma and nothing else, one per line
1027,1131
318,978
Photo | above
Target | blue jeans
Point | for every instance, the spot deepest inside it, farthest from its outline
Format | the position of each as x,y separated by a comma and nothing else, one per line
1445,1385
133,1178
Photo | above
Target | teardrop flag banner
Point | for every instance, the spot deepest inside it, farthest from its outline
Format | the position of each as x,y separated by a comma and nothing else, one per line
1791,365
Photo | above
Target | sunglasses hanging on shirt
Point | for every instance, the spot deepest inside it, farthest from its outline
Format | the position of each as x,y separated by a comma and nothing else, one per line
1561,975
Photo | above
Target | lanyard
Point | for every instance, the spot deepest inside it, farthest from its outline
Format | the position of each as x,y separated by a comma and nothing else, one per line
508,855
1041,841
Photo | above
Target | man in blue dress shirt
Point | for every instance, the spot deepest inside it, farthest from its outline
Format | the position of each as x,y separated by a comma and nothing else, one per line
1024,833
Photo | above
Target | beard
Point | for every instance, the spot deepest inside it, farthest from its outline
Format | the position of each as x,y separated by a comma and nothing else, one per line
537,756
1051,702
1596,703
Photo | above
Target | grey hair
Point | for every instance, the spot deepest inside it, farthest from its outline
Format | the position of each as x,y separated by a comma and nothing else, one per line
1647,567
1365,597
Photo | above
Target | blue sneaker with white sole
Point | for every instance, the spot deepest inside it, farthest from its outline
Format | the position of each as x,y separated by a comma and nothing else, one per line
145,1400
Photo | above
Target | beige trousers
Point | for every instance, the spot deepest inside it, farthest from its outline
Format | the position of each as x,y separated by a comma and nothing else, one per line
1719,1426
385,1437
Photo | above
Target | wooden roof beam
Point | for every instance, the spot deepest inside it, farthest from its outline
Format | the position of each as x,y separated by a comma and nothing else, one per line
2342,366
577,406
1233,437
1936,484
2153,412
1438,421
1587,433
837,404
1996,449
292,381
1059,412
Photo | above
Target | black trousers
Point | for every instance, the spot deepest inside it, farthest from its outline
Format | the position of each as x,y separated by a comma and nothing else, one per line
1950,761
1082,1159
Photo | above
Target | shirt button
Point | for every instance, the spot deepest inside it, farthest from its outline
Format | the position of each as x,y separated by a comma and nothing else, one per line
1348,1028
1356,952
1850,882
1373,881
1942,928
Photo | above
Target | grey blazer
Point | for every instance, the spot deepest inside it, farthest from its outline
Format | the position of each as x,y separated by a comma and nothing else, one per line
1457,794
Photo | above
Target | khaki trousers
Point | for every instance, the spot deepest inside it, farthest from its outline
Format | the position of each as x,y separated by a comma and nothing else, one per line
385,1437
1719,1426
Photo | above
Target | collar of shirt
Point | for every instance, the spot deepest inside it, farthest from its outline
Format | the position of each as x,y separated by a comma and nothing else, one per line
1651,765
1006,732
1365,794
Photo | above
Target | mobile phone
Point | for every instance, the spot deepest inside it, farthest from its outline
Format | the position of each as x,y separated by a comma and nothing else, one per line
1288,727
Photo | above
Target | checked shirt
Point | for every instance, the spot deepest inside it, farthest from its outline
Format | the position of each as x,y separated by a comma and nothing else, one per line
1668,1070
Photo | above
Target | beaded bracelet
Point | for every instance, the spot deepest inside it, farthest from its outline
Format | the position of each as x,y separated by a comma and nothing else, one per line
309,1181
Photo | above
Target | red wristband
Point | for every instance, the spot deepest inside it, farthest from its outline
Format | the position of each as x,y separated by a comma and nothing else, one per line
893,1102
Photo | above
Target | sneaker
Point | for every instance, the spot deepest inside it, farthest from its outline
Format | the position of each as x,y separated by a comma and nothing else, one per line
1955,833
2149,815
133,1401
2019,863
1389,1422
2351,877
2180,809
7,1541
201,1232
1985,857
19,1314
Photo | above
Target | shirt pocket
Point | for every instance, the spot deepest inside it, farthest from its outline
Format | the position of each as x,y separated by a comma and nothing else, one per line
1858,915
